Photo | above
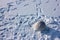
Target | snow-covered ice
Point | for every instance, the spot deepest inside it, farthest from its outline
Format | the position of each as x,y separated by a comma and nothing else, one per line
18,16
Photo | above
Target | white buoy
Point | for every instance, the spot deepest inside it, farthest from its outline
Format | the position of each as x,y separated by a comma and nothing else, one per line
39,26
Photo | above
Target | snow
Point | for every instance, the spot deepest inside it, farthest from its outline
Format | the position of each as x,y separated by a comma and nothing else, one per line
18,16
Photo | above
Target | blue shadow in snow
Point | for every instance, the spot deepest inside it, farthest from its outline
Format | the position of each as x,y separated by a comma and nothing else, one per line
53,33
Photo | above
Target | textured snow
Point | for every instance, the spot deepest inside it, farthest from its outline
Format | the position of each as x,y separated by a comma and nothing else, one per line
18,16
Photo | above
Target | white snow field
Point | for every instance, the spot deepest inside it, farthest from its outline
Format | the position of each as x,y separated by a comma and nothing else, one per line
18,16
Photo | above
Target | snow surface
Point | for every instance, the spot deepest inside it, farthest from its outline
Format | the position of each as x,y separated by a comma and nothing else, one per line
18,16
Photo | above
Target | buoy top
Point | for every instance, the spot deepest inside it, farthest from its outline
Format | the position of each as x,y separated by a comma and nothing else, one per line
39,26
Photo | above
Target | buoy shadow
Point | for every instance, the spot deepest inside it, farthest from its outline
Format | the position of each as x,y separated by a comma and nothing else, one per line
53,33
